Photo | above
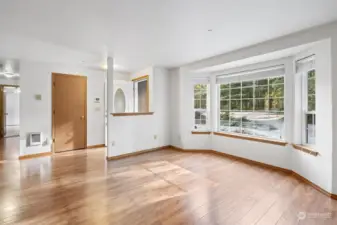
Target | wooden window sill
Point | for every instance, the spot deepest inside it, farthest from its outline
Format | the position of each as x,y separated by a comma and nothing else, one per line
305,149
202,132
132,114
256,139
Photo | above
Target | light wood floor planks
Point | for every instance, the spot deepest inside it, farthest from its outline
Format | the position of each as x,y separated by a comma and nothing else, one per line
160,188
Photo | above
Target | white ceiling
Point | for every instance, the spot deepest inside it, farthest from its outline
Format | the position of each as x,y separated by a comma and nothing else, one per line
156,32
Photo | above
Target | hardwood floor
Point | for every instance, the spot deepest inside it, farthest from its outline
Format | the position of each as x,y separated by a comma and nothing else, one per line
9,149
160,188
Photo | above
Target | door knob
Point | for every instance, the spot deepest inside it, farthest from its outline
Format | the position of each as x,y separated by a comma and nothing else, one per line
82,117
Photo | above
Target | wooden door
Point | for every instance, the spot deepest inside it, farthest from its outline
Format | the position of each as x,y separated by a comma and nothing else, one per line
69,112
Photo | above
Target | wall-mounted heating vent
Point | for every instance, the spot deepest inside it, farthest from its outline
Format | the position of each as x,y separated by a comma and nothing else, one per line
35,139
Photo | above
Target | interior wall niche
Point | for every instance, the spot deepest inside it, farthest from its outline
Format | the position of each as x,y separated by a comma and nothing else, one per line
119,101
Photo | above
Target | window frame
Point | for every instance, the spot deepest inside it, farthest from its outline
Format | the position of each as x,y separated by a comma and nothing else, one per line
304,107
206,126
135,93
254,105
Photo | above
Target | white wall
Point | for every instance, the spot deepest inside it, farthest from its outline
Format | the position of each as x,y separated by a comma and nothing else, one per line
174,90
134,133
35,116
119,75
12,108
9,81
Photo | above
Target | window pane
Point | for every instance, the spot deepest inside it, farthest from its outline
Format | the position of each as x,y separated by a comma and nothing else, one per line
311,74
248,104
235,105
276,91
261,104
142,96
276,104
311,103
236,93
203,104
235,122
310,128
203,115
224,93
276,123
261,92
224,105
200,105
247,127
197,115
235,85
247,83
224,86
197,104
203,95
262,82
248,92
224,116
276,80
197,94
311,86
224,121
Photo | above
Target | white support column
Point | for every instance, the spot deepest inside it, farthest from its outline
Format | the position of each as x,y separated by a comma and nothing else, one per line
110,94
289,100
213,103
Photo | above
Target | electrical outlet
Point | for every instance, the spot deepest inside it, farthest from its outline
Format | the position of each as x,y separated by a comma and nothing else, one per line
112,143
155,137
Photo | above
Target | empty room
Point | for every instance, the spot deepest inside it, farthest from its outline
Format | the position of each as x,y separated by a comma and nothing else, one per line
171,112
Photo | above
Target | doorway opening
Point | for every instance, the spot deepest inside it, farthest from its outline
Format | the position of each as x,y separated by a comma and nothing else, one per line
10,108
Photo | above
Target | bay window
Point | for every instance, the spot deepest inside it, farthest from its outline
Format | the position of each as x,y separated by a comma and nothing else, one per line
252,103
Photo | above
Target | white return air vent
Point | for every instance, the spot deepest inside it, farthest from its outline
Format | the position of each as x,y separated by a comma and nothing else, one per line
35,139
